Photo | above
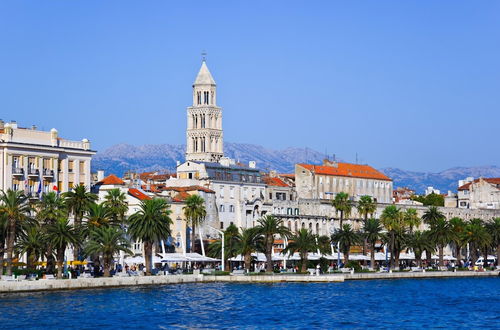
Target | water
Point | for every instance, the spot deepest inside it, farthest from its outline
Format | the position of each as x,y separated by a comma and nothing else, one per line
467,303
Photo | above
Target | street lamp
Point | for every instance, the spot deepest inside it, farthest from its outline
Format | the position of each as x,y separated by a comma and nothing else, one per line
222,239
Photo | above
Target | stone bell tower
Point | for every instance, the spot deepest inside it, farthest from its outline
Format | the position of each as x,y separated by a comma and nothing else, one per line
204,120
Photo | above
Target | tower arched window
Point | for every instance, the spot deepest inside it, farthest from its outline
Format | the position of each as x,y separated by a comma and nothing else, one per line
198,94
212,100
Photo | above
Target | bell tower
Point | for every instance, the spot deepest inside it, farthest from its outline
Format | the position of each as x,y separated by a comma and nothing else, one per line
204,120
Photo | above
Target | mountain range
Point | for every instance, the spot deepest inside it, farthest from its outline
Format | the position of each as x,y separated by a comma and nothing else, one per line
163,157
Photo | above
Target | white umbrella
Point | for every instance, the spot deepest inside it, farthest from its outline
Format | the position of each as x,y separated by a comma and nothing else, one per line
198,257
358,257
174,257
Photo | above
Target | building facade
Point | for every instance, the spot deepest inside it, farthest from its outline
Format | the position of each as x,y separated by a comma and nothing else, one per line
327,180
482,193
38,161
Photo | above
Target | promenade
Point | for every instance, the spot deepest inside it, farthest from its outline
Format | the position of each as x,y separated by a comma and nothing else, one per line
94,283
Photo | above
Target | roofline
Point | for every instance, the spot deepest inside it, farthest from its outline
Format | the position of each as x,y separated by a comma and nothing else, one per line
348,176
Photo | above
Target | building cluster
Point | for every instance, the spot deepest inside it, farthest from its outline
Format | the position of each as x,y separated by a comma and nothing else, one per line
234,193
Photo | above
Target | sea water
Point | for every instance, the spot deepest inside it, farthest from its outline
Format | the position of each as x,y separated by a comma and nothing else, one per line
408,303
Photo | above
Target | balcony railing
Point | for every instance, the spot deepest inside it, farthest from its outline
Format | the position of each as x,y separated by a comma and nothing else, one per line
33,172
17,171
48,173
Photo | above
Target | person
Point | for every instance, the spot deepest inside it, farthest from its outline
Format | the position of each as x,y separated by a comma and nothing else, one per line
317,269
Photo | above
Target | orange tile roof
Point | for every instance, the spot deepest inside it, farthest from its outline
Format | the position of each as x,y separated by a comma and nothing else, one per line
138,194
489,180
347,169
190,188
111,180
181,196
277,182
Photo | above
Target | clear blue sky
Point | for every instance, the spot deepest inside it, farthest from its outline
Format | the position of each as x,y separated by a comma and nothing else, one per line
409,84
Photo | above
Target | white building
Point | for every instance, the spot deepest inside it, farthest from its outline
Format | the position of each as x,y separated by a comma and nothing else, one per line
38,161
432,190
482,193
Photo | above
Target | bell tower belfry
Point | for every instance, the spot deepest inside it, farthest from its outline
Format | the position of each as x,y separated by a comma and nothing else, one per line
204,120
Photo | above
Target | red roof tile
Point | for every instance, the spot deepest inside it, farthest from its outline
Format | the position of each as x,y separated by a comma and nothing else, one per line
138,194
111,180
347,169
277,182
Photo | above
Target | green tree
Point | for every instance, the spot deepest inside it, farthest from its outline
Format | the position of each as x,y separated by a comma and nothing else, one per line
303,242
269,227
432,216
366,206
342,205
419,242
195,212
346,237
249,242
494,230
49,209
107,241
32,242
411,219
441,234
232,240
457,226
16,209
150,224
116,201
61,235
3,238
98,215
477,236
372,230
392,220
77,202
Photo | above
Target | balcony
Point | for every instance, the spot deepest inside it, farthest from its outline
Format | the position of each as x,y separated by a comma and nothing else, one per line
47,173
17,171
33,172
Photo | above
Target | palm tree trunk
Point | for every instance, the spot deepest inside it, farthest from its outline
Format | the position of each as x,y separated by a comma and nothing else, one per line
2,258
428,257
498,255
60,261
11,236
107,265
372,256
441,256
76,252
391,260
148,251
193,236
458,249
341,219
269,252
51,263
396,260
248,261
29,259
303,267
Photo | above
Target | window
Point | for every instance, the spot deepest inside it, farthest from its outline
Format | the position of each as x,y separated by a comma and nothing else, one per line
82,167
289,211
320,180
221,225
17,163
222,191
231,192
321,195
221,209
231,208
270,195
70,166
297,211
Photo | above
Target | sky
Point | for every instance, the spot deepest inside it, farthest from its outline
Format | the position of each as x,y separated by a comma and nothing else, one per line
408,84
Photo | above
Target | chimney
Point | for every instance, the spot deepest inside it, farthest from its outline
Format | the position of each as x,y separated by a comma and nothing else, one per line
100,175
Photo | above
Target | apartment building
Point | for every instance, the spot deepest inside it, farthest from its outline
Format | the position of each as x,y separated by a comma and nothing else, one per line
38,161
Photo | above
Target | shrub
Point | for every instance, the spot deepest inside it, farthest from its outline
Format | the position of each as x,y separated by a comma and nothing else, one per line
353,265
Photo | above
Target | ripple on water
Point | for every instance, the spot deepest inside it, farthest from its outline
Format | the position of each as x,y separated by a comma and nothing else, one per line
356,304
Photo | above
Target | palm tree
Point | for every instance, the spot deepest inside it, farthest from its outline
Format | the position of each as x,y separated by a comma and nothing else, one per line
16,209
366,206
107,241
391,219
32,242
98,215
303,242
494,230
419,242
77,202
195,212
372,230
342,204
324,244
477,236
249,242
432,215
346,237
116,201
49,209
411,219
457,226
268,227
3,238
441,234
150,224
61,235
232,240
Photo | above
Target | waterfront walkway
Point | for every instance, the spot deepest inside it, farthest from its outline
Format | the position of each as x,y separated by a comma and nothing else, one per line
91,283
